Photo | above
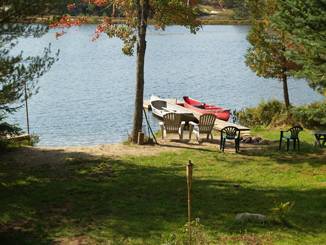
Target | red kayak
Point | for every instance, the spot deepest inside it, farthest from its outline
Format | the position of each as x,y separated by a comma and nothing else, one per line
203,108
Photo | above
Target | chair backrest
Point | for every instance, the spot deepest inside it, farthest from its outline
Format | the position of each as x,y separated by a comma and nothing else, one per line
171,122
230,132
295,131
206,123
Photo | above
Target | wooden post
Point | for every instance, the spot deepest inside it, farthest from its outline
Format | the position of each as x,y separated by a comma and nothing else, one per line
140,140
189,183
26,108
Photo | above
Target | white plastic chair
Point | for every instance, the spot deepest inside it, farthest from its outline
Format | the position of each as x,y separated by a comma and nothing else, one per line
171,124
205,126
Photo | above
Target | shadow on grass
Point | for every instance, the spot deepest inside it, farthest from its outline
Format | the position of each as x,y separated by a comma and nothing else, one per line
12,236
110,198
314,156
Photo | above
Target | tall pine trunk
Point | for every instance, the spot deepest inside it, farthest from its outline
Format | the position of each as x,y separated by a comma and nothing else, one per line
141,49
285,76
285,90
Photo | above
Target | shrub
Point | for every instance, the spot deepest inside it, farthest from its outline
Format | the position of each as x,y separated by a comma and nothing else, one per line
198,233
6,129
311,116
281,212
271,113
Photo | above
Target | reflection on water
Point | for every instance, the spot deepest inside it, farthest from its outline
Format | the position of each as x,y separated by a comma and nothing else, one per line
87,97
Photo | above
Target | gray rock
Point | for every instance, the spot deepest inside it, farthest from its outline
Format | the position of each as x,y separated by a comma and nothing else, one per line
250,217
264,142
247,140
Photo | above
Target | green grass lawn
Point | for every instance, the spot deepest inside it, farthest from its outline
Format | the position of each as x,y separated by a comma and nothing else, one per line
306,136
142,200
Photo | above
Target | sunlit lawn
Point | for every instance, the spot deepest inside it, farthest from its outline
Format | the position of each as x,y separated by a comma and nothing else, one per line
142,200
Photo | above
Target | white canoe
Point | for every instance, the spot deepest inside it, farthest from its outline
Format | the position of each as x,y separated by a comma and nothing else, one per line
162,106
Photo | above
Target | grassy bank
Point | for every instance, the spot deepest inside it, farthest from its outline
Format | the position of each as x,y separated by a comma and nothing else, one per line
142,200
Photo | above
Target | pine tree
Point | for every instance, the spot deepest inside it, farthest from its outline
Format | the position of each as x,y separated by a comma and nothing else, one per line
266,56
304,24
17,71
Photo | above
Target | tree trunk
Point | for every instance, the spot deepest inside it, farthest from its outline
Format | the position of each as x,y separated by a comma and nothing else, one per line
141,48
286,90
285,77
113,10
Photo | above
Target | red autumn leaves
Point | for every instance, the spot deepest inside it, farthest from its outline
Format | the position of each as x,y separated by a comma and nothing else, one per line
67,21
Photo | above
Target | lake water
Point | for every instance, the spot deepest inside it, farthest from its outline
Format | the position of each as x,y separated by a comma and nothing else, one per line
87,97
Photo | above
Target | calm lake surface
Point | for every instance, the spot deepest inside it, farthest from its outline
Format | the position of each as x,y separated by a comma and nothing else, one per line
87,97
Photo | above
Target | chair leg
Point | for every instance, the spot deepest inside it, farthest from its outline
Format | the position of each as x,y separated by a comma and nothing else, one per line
198,137
190,131
287,144
162,132
221,142
181,133
294,144
280,145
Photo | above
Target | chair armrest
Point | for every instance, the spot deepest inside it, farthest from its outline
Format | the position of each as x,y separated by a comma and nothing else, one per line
283,130
183,123
161,123
193,123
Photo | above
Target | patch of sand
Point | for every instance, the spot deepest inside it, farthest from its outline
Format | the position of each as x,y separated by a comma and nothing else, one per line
58,155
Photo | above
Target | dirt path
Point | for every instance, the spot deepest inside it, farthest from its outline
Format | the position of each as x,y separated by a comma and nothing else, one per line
58,155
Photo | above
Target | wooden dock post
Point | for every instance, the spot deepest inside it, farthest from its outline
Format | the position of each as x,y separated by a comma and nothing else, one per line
140,140
189,185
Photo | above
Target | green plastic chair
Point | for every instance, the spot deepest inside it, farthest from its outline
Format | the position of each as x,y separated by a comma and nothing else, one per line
291,134
230,133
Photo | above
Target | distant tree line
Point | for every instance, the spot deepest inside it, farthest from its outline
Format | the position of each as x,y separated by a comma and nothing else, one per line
87,7
82,7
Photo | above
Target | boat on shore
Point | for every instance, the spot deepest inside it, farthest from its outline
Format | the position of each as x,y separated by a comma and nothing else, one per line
203,108
160,107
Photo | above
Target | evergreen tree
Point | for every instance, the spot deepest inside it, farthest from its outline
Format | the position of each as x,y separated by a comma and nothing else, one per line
16,71
241,9
266,56
304,24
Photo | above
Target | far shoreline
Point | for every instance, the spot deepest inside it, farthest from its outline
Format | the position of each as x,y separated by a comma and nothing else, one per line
204,20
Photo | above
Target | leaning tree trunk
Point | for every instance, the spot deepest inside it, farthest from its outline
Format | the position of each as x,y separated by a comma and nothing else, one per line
285,90
141,48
